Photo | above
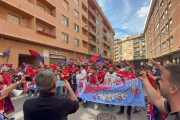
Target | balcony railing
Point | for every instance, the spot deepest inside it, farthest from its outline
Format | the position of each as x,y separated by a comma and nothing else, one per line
143,49
143,57
136,54
143,53
142,44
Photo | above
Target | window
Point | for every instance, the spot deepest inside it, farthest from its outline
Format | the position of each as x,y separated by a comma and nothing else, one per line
77,42
124,57
124,50
168,42
157,14
76,1
130,53
97,50
129,44
129,40
97,32
124,45
76,28
166,11
125,54
13,19
164,44
157,26
130,57
102,44
97,41
167,26
40,28
65,37
102,52
64,20
158,37
130,49
172,40
162,17
97,22
41,7
171,22
163,31
76,13
65,4
161,4
169,5
124,41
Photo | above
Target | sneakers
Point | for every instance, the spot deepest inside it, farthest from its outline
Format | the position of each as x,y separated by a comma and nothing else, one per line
137,111
32,95
66,96
95,106
61,96
105,108
27,94
129,117
120,112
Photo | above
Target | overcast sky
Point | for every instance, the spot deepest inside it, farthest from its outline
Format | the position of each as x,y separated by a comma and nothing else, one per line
126,16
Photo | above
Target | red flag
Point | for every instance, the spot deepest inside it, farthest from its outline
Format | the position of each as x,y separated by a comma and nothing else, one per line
34,53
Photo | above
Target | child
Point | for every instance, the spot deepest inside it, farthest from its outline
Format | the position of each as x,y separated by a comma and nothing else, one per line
73,82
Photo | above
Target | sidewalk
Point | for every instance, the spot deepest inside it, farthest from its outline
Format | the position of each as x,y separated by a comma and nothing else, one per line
82,114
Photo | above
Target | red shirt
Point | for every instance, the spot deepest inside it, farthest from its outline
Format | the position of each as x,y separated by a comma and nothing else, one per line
73,69
95,78
121,73
88,70
127,76
151,80
69,70
103,74
65,72
6,80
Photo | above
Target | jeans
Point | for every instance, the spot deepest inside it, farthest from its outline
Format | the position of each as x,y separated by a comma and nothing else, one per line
62,90
58,91
156,114
107,105
74,88
128,110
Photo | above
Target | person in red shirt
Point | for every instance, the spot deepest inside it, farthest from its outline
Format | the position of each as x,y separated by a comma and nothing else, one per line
126,76
88,69
119,72
69,69
103,73
64,76
6,77
95,78
73,69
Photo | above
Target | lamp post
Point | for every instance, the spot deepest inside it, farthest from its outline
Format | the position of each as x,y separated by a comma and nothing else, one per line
75,41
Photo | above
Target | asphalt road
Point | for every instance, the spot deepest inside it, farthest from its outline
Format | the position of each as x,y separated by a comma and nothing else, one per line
82,114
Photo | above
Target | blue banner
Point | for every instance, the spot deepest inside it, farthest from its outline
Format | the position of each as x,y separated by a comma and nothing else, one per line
129,93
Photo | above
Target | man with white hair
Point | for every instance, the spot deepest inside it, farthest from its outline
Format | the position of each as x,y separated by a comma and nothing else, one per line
47,106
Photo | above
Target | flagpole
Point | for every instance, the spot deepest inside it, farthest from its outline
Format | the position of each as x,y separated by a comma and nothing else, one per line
7,59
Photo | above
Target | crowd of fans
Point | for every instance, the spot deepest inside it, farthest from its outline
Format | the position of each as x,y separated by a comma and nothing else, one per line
94,73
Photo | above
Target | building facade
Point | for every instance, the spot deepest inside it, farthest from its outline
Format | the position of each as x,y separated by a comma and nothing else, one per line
130,48
101,33
53,28
162,31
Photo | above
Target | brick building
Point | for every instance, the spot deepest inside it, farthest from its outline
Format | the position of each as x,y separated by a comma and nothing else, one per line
48,27
130,48
162,31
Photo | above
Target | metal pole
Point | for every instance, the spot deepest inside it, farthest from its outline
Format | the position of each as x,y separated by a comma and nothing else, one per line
74,45
7,59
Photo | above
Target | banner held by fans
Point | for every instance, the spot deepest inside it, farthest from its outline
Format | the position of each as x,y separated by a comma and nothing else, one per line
129,93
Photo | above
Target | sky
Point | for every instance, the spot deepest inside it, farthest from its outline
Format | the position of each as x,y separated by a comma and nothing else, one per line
125,16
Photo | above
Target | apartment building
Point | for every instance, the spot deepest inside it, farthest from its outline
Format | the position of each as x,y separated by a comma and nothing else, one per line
162,31
101,33
130,48
53,28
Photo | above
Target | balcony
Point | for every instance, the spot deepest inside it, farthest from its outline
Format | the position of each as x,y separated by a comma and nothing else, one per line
136,54
91,11
143,44
143,49
120,52
143,53
116,53
120,48
93,31
136,58
143,57
135,46
143,39
120,45
92,21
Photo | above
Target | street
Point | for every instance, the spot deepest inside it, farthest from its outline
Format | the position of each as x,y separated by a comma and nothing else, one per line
82,114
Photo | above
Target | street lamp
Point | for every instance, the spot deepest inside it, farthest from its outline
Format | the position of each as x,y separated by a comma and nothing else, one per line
75,41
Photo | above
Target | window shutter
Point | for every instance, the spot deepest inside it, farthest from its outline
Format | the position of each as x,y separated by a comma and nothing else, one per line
65,4
13,19
76,14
